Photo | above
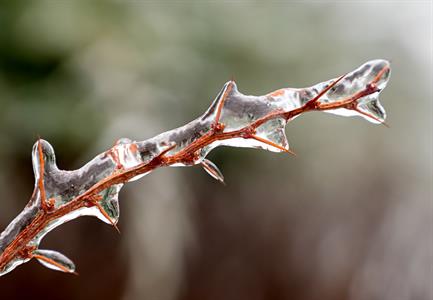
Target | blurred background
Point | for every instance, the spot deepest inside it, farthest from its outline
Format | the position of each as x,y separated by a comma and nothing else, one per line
350,217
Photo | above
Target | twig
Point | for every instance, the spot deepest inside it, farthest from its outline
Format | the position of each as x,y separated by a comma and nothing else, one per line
256,118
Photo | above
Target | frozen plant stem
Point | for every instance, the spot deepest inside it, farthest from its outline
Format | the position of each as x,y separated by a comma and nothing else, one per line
233,119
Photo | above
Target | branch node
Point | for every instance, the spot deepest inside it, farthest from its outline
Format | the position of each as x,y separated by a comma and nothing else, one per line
218,127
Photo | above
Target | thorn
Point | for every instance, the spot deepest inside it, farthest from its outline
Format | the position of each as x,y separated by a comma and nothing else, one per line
167,150
272,144
41,177
385,124
371,116
223,99
104,213
324,90
212,170
54,263
95,201
379,75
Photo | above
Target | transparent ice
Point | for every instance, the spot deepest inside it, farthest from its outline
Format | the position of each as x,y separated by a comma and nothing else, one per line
238,111
212,170
54,260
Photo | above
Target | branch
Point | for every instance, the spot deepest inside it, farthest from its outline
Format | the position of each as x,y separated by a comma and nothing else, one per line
233,119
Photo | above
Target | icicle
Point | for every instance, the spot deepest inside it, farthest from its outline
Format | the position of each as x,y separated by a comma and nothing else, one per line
212,170
54,260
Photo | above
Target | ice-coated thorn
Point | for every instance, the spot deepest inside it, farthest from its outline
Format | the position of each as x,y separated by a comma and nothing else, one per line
375,119
54,260
97,200
43,198
386,124
105,214
43,160
212,170
257,138
48,156
324,91
168,149
380,74
228,87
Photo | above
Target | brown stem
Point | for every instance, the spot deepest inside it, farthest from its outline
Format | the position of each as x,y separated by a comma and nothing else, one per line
186,155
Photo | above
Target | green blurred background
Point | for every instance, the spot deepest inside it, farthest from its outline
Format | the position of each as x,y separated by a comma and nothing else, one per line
350,217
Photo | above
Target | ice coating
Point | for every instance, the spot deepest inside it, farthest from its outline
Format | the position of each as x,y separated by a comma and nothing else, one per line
13,264
212,170
54,260
354,94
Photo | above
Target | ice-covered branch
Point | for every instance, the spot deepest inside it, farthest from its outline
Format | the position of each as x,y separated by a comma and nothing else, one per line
233,119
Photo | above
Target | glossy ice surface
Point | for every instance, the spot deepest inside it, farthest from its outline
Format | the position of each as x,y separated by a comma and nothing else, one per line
237,111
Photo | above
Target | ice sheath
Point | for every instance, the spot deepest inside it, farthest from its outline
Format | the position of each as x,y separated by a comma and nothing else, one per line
354,94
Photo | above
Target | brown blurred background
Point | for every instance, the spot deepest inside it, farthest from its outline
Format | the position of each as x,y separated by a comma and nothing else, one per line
350,217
